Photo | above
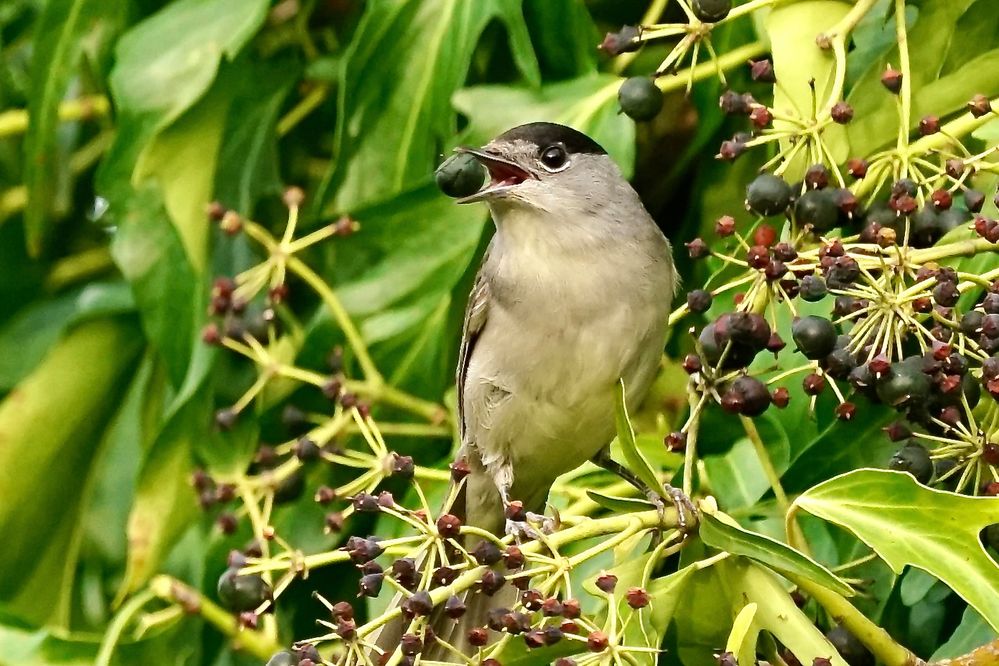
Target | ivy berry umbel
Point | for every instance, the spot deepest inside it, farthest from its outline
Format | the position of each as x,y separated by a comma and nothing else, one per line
900,330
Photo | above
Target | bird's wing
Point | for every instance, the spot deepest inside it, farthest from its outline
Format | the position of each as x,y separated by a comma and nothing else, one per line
475,320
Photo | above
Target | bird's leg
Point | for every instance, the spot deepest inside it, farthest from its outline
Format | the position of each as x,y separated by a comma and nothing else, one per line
518,521
682,503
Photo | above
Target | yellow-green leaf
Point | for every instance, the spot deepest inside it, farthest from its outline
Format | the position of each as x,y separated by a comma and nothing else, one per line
908,524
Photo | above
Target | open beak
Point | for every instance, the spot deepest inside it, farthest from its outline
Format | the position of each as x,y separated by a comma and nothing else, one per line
503,174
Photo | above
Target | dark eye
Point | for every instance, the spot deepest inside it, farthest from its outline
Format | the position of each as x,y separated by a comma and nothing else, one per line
554,157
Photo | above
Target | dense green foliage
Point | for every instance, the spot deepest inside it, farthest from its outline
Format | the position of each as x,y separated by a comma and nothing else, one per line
232,296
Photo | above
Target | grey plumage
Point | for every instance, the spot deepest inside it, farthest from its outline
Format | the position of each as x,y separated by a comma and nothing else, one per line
573,295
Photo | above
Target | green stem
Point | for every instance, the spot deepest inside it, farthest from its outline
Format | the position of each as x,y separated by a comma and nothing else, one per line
733,58
304,107
965,248
342,318
15,121
876,639
901,36
960,126
172,590
117,626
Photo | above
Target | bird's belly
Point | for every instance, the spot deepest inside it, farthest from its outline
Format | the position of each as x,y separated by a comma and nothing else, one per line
542,400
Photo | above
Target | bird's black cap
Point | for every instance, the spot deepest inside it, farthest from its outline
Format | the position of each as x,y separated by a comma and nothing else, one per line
546,134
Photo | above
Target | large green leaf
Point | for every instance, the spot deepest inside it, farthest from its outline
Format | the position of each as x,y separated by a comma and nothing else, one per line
719,533
406,60
57,46
248,167
50,428
908,524
637,463
570,50
34,330
164,503
166,63
934,90
148,250
800,64
970,634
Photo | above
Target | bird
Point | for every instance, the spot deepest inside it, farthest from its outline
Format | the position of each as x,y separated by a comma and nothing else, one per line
571,299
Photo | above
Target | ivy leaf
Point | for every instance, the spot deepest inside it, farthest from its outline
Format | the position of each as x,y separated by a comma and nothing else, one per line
50,426
57,46
805,72
637,462
720,533
908,524
406,60
619,504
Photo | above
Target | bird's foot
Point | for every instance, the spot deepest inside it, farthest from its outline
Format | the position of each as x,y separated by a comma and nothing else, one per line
686,512
525,525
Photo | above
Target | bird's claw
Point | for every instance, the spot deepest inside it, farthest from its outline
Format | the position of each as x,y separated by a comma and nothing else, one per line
685,509
531,527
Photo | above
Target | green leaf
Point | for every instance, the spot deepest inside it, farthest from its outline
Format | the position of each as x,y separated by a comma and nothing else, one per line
148,250
719,533
248,168
742,639
57,45
798,62
43,648
749,583
181,160
569,51
34,329
164,503
191,38
618,504
933,91
636,461
50,426
909,524
588,103
970,634
406,60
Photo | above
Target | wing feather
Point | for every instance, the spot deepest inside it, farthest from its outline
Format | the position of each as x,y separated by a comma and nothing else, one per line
476,314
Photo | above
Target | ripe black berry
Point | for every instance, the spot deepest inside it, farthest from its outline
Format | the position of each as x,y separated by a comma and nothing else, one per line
815,336
711,11
283,658
914,459
699,300
817,208
240,593
812,288
639,98
747,396
768,195
460,175
905,384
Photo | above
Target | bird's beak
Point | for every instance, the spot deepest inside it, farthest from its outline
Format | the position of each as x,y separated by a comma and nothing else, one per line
504,174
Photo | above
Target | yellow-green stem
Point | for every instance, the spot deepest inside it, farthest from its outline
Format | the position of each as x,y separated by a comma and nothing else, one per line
172,590
15,121
876,639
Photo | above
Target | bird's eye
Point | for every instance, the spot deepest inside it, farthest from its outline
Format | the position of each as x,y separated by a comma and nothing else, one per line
554,157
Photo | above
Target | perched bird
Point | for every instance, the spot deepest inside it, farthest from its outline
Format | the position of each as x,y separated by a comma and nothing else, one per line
572,297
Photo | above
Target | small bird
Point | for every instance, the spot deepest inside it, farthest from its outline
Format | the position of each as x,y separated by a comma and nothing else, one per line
572,298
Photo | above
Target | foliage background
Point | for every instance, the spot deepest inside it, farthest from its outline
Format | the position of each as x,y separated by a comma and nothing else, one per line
143,112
